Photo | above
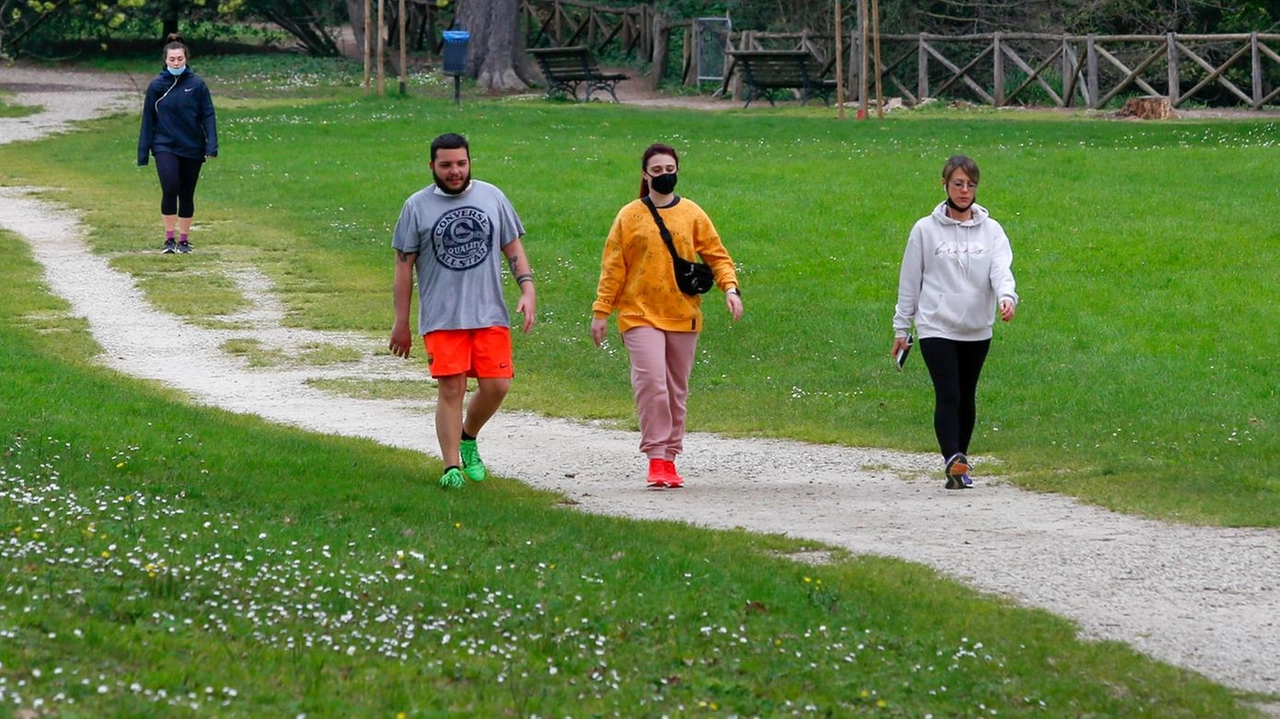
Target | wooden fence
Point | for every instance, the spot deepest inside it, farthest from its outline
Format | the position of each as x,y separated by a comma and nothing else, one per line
1003,69
998,69
1091,71
638,32
561,23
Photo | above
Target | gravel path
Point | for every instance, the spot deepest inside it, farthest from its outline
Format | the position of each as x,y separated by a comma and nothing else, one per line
1203,598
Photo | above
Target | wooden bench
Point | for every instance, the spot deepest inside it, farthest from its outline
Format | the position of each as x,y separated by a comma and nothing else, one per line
567,68
768,72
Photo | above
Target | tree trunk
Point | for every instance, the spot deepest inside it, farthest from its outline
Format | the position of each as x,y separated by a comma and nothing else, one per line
497,57
169,16
355,10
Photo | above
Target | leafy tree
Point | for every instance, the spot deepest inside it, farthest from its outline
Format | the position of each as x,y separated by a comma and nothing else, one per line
22,21
28,26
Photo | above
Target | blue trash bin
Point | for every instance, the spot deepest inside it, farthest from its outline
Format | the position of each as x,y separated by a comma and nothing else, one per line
455,51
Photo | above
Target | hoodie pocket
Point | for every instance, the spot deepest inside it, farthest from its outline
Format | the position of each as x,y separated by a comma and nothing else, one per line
955,311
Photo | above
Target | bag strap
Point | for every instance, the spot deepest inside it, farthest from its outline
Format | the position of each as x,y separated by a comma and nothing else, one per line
662,229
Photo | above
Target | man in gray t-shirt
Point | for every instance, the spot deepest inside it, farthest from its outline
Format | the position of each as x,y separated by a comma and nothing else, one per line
452,234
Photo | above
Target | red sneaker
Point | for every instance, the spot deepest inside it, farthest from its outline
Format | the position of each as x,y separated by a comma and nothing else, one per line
674,480
658,475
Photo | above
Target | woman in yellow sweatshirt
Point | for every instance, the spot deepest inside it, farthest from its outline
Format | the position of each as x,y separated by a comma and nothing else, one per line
658,322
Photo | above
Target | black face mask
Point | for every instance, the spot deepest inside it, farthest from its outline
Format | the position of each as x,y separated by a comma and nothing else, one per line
663,184
951,203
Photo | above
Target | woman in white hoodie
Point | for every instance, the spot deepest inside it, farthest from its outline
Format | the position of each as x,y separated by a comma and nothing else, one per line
955,275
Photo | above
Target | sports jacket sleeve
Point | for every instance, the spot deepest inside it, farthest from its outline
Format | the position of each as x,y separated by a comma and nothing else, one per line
147,133
208,119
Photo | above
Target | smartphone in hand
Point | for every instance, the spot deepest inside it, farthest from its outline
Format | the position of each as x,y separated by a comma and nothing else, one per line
901,357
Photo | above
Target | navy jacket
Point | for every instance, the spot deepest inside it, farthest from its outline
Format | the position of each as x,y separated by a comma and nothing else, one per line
177,117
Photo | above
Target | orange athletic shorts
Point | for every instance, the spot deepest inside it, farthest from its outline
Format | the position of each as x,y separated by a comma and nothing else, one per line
484,352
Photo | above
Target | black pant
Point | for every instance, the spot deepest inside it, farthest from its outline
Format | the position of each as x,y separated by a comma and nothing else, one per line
954,368
178,178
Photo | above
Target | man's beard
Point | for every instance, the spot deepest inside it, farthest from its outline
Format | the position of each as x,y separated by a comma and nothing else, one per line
440,184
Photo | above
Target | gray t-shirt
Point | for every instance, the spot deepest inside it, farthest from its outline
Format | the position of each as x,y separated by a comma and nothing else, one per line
459,241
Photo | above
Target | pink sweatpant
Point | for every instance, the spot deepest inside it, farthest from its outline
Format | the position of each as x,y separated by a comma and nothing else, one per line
660,366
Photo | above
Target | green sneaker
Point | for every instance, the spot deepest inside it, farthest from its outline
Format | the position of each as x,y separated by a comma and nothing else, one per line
453,479
471,462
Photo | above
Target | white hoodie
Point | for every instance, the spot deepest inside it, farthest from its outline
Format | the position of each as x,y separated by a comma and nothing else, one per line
953,275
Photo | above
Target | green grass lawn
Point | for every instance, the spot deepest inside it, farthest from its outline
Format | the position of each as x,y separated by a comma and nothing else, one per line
1138,374
166,560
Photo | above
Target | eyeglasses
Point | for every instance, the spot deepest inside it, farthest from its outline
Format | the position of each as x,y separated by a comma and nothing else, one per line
962,185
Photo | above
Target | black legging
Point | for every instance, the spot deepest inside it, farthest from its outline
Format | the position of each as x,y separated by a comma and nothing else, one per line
954,367
178,178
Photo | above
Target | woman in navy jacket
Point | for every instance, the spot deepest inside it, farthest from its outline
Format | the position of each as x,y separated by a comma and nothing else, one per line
179,128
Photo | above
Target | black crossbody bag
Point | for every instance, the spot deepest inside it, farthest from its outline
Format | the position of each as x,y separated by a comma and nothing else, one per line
693,278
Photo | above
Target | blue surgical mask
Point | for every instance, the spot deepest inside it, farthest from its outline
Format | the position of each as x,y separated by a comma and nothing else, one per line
177,71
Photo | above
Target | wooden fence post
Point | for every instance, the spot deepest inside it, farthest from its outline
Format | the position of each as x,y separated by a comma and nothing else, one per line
862,67
1091,59
1174,87
875,41
626,35
1257,70
1066,72
382,42
853,65
661,44
404,72
839,25
1070,72
922,70
368,43
997,70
